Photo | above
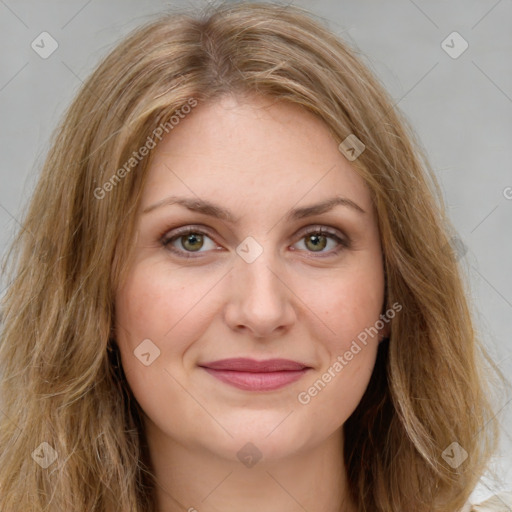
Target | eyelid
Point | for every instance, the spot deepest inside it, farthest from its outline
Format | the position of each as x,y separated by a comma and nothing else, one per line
178,232
343,241
314,228
338,236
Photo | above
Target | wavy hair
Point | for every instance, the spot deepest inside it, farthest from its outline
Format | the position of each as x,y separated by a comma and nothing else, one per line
61,379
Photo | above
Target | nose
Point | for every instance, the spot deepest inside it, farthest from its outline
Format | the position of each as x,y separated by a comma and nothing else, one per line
260,301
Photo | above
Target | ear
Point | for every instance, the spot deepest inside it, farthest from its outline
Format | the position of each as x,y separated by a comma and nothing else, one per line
385,332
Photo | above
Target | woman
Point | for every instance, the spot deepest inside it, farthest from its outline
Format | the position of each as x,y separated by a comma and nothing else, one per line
234,290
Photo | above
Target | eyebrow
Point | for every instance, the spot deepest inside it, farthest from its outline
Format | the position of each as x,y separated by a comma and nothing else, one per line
213,210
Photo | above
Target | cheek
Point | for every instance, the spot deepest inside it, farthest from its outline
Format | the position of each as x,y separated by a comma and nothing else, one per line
349,305
160,305
156,308
332,394
338,390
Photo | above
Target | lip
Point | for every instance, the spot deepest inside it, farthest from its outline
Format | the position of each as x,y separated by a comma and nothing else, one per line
243,364
252,375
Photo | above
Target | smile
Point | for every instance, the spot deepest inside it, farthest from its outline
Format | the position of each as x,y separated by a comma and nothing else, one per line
250,375
261,381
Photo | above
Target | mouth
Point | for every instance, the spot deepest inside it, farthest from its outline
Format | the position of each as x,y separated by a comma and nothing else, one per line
252,375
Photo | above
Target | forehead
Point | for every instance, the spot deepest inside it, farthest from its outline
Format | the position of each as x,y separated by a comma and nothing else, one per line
252,147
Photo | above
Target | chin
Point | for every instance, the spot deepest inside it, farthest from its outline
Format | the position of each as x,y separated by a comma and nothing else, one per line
266,440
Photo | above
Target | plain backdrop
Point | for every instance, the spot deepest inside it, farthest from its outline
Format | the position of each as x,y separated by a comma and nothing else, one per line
460,105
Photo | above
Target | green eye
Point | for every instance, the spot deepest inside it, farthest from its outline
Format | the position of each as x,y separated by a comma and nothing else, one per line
192,241
189,241
318,242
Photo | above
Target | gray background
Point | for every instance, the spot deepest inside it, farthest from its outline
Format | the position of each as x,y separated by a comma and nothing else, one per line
460,107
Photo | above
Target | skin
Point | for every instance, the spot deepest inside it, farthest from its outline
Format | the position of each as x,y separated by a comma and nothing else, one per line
259,159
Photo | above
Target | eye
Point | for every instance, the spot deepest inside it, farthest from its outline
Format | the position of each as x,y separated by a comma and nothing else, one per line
317,239
189,240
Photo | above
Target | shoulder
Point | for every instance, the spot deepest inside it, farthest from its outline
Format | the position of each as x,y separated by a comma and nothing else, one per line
501,502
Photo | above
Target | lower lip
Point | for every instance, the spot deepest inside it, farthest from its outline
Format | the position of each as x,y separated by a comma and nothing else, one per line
251,381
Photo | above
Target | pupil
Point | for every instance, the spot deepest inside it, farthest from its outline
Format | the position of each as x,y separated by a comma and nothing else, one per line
191,239
316,241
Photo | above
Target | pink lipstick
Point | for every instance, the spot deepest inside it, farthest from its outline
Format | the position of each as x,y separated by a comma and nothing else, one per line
252,375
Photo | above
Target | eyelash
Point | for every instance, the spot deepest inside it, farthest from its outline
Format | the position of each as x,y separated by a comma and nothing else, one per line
166,240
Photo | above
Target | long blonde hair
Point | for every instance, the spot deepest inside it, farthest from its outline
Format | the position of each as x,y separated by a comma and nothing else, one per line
61,385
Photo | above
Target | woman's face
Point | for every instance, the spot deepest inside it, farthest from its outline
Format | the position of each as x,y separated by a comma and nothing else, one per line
254,279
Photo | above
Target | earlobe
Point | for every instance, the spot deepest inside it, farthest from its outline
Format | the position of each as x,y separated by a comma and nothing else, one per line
383,339
385,332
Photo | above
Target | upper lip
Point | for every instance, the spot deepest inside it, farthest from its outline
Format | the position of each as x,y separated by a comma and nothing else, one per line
242,364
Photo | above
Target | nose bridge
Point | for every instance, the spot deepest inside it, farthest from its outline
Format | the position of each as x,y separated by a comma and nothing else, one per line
259,298
256,270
